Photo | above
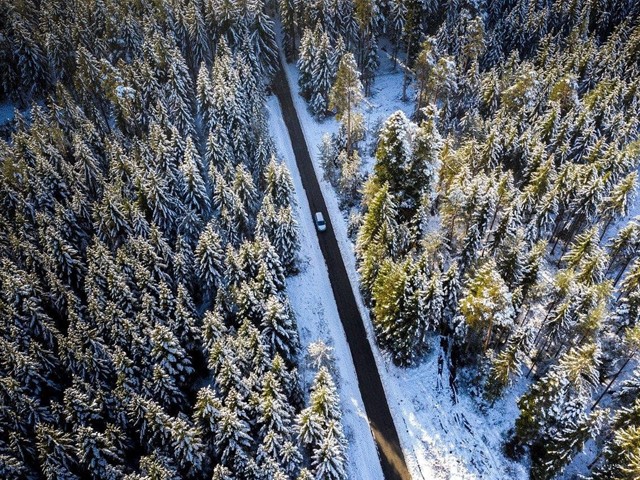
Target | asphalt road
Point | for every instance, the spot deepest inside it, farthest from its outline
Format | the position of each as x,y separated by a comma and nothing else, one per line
375,402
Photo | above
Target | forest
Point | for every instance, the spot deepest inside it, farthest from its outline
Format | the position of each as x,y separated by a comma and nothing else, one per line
495,219
148,228
146,234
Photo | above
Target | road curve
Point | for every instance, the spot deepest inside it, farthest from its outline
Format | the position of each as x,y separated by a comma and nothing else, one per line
375,401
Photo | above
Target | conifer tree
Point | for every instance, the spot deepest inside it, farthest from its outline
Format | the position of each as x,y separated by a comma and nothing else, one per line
307,54
394,153
616,204
194,191
320,430
422,175
620,455
324,69
395,332
287,10
486,305
350,180
558,398
376,238
279,329
346,93
209,258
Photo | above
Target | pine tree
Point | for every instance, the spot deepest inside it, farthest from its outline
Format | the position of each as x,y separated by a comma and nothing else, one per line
558,398
204,91
279,329
622,246
287,10
393,331
194,191
569,441
187,447
320,430
245,189
56,452
622,450
209,256
98,454
422,175
167,353
616,204
232,439
266,49
328,460
371,61
307,54
505,365
346,93
585,244
394,153
324,69
350,180
376,238
424,72
279,184
282,231
486,305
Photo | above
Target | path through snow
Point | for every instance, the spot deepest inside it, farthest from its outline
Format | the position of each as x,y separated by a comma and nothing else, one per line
317,315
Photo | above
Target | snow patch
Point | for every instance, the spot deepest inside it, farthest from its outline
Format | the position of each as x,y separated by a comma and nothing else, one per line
6,112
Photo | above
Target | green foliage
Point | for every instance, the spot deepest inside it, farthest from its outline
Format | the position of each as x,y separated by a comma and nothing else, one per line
486,305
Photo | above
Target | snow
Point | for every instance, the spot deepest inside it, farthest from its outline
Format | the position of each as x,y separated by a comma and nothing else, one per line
442,438
6,112
125,92
632,215
317,315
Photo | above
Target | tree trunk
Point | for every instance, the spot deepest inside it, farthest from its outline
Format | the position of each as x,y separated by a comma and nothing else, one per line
405,78
348,122
488,337
605,228
613,379
537,357
622,270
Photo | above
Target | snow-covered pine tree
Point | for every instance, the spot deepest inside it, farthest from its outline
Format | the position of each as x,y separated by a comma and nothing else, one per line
323,74
346,93
486,305
394,154
209,256
351,176
307,53
377,236
557,399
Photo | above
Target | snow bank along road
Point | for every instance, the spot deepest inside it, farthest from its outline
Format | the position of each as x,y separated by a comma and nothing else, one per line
375,402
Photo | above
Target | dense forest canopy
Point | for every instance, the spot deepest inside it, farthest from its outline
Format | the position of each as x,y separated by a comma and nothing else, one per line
147,227
146,233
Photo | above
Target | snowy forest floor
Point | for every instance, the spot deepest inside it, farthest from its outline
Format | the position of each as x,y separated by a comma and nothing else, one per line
6,112
443,435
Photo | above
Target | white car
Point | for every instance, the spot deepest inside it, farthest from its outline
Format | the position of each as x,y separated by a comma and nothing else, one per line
321,225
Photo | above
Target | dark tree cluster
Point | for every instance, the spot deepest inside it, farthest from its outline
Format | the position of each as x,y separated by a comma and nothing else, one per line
146,231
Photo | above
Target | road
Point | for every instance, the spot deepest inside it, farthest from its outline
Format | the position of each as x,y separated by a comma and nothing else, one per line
375,401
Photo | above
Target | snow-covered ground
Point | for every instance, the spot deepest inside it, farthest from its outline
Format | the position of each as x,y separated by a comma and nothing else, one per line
312,300
6,112
441,438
